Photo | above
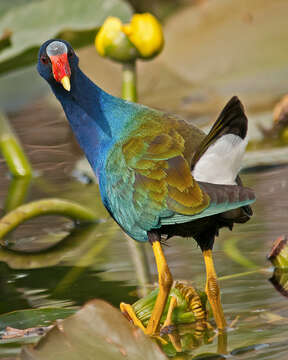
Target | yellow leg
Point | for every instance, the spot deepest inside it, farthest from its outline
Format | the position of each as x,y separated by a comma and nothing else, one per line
213,291
174,338
176,341
222,342
128,309
165,282
172,305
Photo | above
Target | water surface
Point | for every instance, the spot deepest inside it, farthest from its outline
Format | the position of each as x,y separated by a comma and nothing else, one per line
96,260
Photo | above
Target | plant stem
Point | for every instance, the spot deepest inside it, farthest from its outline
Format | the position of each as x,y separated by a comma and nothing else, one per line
140,261
12,151
231,250
129,82
17,192
85,260
43,207
246,273
137,250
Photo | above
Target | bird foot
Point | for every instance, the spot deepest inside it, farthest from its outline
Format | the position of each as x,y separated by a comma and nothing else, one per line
167,327
128,311
213,294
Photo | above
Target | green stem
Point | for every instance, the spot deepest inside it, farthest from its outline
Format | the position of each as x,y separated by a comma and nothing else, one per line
139,258
129,82
231,250
17,192
246,273
43,207
141,265
12,151
85,260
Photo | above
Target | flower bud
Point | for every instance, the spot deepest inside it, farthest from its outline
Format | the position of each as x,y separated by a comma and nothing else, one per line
111,41
145,33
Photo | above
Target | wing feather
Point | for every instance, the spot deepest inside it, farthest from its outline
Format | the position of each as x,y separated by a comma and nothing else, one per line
149,178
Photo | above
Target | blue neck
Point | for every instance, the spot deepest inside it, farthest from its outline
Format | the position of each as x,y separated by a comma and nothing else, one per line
97,118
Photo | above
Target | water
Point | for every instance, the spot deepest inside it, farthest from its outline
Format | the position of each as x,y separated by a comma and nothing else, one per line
96,261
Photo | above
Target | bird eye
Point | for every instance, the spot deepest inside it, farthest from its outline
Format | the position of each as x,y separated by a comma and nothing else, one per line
44,59
70,53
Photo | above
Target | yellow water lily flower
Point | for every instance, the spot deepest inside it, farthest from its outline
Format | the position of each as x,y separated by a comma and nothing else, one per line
111,41
108,33
145,32
142,38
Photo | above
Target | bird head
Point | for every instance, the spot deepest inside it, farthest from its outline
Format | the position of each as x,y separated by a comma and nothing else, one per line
56,61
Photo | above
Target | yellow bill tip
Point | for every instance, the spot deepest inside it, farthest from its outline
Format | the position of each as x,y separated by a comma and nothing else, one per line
65,81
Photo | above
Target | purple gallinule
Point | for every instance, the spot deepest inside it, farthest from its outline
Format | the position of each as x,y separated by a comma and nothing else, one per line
159,176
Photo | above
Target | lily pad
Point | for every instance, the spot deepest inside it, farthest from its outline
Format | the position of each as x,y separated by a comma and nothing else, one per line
24,319
98,328
231,47
36,321
76,21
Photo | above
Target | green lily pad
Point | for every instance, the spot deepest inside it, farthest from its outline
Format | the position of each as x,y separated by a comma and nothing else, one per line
99,331
75,21
8,5
231,48
24,319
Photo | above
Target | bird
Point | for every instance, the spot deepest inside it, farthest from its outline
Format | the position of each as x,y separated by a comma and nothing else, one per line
159,176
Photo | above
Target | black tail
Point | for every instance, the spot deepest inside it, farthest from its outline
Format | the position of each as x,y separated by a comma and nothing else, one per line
232,120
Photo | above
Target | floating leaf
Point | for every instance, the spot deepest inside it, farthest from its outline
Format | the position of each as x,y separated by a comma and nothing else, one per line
98,328
75,21
26,319
234,47
29,318
9,351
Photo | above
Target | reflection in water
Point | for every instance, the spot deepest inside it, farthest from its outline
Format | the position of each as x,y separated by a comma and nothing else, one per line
22,289
280,281
53,249
186,338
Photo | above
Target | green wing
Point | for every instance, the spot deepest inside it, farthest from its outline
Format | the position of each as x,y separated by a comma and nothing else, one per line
148,176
